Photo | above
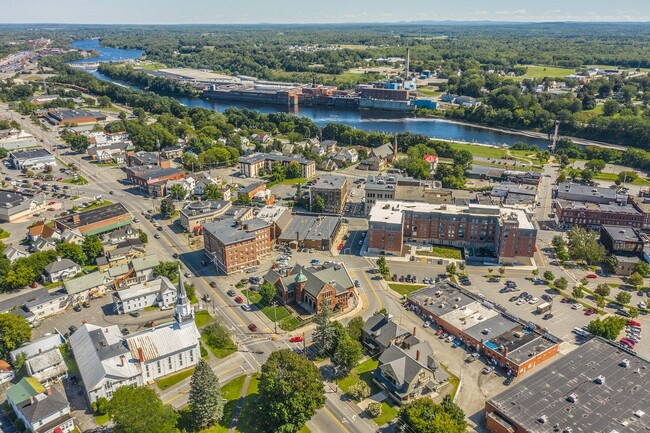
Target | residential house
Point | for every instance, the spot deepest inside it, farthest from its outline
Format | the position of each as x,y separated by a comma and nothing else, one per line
432,160
123,255
156,293
261,138
379,332
409,373
314,287
373,163
42,410
41,230
60,269
172,152
197,213
124,233
13,253
42,244
47,367
49,304
114,152
86,287
32,349
188,184
6,372
72,237
148,159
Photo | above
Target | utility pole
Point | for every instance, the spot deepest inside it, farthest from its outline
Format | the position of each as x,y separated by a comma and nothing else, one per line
275,316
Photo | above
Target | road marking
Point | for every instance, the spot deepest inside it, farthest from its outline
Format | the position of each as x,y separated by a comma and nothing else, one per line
336,420
176,396
372,287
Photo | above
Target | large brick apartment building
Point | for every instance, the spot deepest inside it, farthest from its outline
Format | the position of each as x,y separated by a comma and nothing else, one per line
236,246
595,215
482,230
333,190
251,165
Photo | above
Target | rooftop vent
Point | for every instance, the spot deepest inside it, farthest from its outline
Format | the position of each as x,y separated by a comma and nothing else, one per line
572,398
600,379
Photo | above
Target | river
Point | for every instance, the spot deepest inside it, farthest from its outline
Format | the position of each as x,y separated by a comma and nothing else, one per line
366,120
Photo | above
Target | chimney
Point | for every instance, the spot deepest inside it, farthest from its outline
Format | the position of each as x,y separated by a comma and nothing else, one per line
48,390
417,355
122,360
408,61
140,354
31,400
505,352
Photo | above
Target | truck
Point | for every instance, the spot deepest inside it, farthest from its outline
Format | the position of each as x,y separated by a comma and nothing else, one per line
543,308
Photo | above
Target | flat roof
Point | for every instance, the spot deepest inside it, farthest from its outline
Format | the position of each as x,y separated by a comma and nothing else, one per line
229,231
492,327
31,153
621,233
586,190
332,182
468,316
273,157
94,216
608,208
440,298
607,407
310,227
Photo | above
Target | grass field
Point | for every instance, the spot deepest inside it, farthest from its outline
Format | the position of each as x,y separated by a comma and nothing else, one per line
612,177
539,72
202,318
586,115
363,372
101,419
229,392
281,312
221,352
444,252
388,412
172,380
153,66
299,180
405,289
248,418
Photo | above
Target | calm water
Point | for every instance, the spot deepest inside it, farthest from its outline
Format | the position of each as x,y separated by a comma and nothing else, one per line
366,120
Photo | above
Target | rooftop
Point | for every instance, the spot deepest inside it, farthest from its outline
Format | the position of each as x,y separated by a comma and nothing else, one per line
310,227
160,284
618,403
10,199
154,172
441,298
20,299
622,234
31,153
273,157
41,345
607,208
229,231
100,214
587,191
330,182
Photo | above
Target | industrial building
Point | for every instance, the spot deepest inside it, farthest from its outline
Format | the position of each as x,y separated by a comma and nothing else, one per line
598,387
96,221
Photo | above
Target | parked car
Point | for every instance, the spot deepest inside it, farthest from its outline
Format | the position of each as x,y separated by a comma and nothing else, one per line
77,308
175,255
150,324
488,369
231,293
239,299
439,332
125,331
450,339
576,306
473,357
456,343
246,307
634,323
213,284
252,327
591,276
426,324
508,380
86,304
296,339
589,311
134,314
548,316
514,298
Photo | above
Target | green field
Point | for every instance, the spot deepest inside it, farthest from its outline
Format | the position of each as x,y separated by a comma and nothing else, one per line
405,289
153,66
443,252
586,115
202,318
539,72
230,392
612,177
388,412
248,418
363,372
169,381
221,352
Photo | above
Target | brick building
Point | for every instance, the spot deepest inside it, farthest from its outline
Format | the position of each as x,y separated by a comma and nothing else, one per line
154,179
143,158
507,342
96,221
621,240
482,231
333,190
595,215
397,186
251,189
66,116
237,246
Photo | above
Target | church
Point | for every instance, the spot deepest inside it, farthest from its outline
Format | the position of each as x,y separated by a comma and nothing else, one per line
108,360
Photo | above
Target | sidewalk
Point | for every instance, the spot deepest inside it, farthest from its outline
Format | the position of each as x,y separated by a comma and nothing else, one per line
240,404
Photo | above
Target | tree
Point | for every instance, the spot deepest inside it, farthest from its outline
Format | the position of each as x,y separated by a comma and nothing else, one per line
267,290
347,354
167,207
561,283
642,268
140,410
190,290
611,264
451,268
610,108
502,270
595,165
278,172
318,204
632,312
383,267
635,280
548,276
205,402
14,331
291,390
359,391
216,335
104,101
77,142
144,238
577,293
212,192
324,336
374,409
294,170
583,245
623,298
166,269
600,302
626,176
92,247
72,252
425,416
608,328
354,328
602,290
177,192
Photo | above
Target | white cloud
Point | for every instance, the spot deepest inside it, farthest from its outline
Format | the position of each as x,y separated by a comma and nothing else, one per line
516,12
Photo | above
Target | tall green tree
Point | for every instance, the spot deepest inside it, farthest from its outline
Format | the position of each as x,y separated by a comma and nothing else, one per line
72,251
642,268
177,192
347,355
354,328
425,416
212,192
325,336
166,269
291,390
14,331
294,170
623,298
167,207
608,327
205,402
318,204
267,290
92,247
140,410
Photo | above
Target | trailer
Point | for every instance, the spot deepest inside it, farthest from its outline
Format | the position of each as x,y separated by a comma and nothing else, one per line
543,308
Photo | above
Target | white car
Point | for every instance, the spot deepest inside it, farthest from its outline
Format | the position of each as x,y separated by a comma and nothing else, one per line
576,306
427,324
361,242
642,305
521,302
450,339
534,301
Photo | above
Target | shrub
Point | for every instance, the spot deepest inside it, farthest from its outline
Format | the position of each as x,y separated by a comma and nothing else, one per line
359,391
374,409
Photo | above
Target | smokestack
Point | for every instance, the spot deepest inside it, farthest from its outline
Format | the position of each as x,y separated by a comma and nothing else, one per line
417,355
408,61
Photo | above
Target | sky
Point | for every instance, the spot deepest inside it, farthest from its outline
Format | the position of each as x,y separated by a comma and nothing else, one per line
316,11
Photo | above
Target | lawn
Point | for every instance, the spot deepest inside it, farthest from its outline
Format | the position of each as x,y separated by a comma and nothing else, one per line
169,381
202,318
405,289
90,268
586,115
388,412
290,323
443,252
363,372
95,205
80,180
300,180
612,178
153,66
101,419
221,352
248,416
256,299
229,392
539,72
4,234
70,362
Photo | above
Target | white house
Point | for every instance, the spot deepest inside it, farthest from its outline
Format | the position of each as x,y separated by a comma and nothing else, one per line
37,346
12,253
86,287
42,410
107,360
47,367
48,305
158,292
60,270
6,372
72,237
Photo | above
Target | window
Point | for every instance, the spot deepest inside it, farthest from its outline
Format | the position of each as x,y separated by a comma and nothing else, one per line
180,359
169,361
191,355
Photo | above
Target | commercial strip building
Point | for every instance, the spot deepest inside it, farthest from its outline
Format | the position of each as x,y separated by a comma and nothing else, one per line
68,117
595,215
621,240
15,206
333,190
587,193
153,179
96,221
237,246
506,341
483,231
311,231
251,165
32,159
598,387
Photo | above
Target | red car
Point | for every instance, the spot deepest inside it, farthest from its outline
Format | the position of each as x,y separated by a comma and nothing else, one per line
340,246
239,299
51,203
628,342
59,179
296,339
591,276
589,312
564,300
50,209
634,323
439,331
252,327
